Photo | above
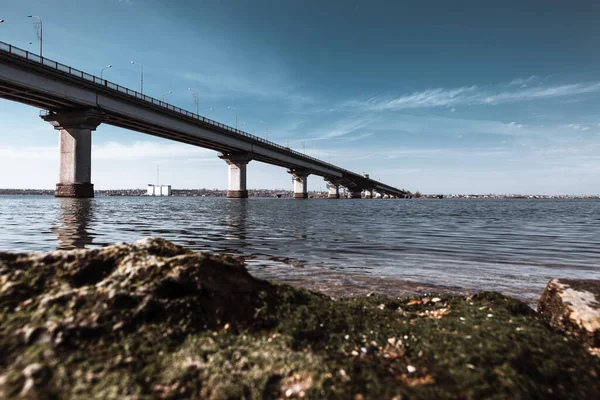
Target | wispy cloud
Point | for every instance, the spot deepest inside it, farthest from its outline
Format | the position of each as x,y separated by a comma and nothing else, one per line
577,127
148,149
474,95
115,151
339,128
524,81
359,137
231,84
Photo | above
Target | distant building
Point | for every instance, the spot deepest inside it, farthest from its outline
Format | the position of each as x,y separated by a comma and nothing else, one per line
158,190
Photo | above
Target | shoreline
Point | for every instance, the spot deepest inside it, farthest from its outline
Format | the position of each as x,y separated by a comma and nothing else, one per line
276,193
153,319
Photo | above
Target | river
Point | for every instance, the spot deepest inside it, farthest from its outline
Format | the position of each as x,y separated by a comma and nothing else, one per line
514,246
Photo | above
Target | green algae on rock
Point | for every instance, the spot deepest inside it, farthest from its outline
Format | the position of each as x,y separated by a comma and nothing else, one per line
153,320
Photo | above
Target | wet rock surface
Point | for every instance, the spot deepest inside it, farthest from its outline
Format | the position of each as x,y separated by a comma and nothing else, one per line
153,320
573,306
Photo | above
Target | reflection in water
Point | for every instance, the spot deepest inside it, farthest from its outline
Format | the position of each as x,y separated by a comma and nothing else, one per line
75,218
236,212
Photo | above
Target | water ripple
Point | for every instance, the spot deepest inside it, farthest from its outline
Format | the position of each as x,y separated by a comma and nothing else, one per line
510,245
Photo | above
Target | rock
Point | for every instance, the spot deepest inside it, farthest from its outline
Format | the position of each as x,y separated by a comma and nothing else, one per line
573,306
153,320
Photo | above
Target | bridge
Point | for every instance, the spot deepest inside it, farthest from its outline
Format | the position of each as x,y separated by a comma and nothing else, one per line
76,103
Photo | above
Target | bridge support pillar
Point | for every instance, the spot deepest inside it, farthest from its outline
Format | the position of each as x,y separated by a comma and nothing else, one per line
75,144
355,193
300,183
334,190
369,194
237,174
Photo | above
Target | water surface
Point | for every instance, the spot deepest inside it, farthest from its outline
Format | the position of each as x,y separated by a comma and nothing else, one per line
514,246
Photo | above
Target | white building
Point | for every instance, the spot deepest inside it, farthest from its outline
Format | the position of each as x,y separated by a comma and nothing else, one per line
158,190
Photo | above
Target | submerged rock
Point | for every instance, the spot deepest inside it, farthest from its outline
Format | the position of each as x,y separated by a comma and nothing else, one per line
573,306
153,320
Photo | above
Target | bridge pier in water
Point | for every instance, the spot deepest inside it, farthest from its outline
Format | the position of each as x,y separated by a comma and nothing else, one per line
237,162
75,143
300,183
369,194
334,190
355,193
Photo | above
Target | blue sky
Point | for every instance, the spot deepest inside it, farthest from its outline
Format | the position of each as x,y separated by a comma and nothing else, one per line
439,96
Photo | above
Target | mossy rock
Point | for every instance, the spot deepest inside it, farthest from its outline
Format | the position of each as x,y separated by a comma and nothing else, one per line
152,320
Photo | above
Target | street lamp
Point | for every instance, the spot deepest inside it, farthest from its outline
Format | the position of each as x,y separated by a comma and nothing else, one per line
162,98
141,76
41,33
107,67
267,126
236,115
195,95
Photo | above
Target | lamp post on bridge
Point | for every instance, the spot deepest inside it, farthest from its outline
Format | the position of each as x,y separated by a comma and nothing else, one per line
195,95
236,115
267,126
107,67
162,98
141,76
41,31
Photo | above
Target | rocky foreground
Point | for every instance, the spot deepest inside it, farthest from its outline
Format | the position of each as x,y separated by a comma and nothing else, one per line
153,320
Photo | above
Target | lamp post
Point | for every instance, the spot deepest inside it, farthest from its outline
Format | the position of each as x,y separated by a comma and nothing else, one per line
267,126
195,95
107,67
236,115
162,98
41,35
141,76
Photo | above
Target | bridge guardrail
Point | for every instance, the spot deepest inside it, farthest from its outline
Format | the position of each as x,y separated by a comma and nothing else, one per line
8,48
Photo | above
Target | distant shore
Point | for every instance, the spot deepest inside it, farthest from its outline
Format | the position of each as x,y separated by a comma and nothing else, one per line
289,193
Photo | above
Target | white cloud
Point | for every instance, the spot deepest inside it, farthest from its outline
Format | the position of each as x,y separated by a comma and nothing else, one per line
472,96
339,128
524,81
115,151
355,138
154,150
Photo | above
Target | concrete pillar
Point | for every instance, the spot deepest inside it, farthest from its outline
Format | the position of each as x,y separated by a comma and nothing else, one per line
237,174
355,193
75,143
369,194
334,190
300,183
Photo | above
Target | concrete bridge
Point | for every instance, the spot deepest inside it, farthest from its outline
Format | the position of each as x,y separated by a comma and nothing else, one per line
76,103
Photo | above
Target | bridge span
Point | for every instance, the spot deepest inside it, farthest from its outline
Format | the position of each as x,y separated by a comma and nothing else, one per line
76,103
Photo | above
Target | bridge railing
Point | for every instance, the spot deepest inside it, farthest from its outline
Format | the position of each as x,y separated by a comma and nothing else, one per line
5,47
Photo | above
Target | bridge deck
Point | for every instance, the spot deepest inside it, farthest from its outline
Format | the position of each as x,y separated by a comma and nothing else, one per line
52,86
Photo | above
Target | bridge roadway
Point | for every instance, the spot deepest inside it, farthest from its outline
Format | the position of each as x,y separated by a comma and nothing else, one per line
76,103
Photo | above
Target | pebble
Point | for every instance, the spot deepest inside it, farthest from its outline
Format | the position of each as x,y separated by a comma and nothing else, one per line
411,369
